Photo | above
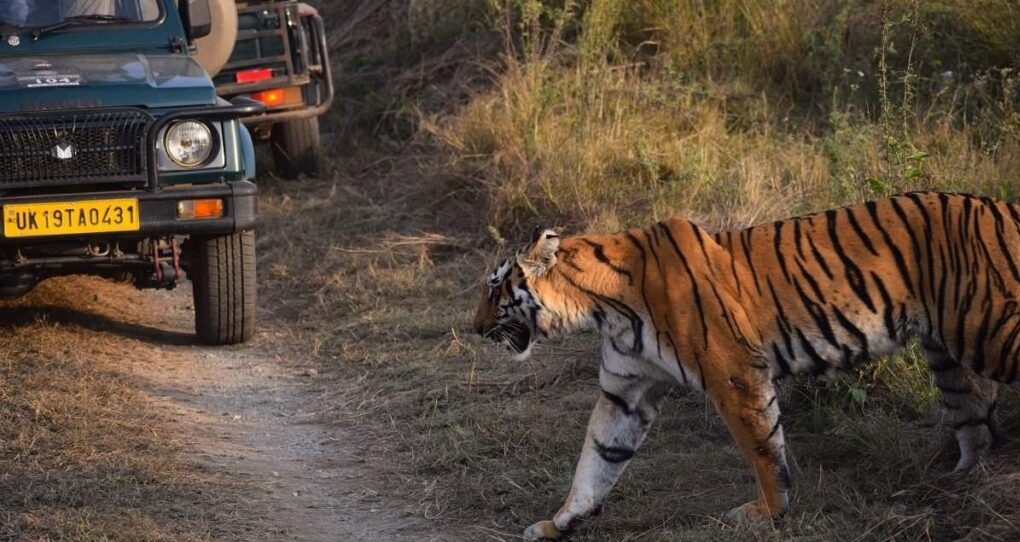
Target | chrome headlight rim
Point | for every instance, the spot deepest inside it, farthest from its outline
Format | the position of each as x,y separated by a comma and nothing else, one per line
211,151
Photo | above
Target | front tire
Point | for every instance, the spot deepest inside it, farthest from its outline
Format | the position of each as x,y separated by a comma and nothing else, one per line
223,279
296,148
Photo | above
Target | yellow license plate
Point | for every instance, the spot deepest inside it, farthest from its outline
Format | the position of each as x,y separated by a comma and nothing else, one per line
68,218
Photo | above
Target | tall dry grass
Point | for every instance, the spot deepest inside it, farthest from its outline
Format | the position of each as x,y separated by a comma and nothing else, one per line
602,115
735,111
606,115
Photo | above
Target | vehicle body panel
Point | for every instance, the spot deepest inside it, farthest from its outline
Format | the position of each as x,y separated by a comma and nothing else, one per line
103,80
50,84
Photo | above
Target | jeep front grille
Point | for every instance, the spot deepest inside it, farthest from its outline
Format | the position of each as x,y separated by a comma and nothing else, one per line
58,149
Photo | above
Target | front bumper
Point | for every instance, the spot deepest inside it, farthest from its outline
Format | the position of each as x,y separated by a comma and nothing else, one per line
158,212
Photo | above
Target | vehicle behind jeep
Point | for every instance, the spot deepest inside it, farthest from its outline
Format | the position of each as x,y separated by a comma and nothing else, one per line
118,159
274,52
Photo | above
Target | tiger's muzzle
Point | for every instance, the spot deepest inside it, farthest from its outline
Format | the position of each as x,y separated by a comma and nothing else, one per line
515,336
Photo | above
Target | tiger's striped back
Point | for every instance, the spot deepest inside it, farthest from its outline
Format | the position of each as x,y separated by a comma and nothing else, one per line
854,283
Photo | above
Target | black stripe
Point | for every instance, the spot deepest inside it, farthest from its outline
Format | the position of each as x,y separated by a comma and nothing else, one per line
644,281
916,248
818,257
852,329
978,238
777,239
1009,350
978,364
701,242
626,376
694,284
636,323
811,282
940,298
1000,236
784,365
621,403
797,238
676,353
820,363
901,263
928,241
853,273
724,310
600,255
733,265
819,315
961,328
654,236
613,454
860,232
887,312
567,256
745,242
784,327
954,261
1014,211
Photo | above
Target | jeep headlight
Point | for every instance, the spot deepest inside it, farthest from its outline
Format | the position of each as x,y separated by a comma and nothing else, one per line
188,143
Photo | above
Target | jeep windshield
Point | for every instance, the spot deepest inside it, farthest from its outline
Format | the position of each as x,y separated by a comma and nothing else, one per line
69,13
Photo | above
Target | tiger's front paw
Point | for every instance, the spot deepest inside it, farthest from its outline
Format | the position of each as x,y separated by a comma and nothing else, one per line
751,514
543,530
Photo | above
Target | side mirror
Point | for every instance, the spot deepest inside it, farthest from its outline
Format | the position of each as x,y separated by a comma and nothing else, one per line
199,18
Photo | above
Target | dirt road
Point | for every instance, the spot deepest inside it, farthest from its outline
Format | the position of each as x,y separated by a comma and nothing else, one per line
242,416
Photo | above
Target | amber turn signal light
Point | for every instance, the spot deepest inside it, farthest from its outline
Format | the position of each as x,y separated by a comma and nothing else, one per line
200,208
279,96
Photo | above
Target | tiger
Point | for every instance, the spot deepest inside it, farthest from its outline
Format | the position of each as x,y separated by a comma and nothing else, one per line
733,313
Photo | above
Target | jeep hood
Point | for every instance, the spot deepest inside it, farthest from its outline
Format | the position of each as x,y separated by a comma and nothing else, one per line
102,80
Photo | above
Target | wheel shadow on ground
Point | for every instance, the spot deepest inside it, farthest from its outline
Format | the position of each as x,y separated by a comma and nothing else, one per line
15,317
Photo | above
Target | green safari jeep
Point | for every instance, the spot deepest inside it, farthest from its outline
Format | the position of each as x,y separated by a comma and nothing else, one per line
274,52
118,159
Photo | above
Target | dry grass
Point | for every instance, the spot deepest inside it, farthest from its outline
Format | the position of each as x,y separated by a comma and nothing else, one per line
86,454
493,442
600,117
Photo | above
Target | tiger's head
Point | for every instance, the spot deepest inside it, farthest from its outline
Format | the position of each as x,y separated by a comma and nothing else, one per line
510,311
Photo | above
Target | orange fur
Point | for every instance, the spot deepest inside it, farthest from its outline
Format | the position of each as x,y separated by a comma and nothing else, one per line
731,313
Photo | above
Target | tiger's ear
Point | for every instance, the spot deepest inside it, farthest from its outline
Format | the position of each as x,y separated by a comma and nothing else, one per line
540,254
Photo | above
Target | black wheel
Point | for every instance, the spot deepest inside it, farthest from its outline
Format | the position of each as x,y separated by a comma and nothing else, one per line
296,148
222,273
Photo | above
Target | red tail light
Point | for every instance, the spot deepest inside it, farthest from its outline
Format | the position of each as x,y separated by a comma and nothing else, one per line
251,76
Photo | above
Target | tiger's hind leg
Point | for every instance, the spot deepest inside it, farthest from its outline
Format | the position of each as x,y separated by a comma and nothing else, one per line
748,404
617,426
969,401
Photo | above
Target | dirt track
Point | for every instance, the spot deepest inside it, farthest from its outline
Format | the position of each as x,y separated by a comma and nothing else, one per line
244,415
